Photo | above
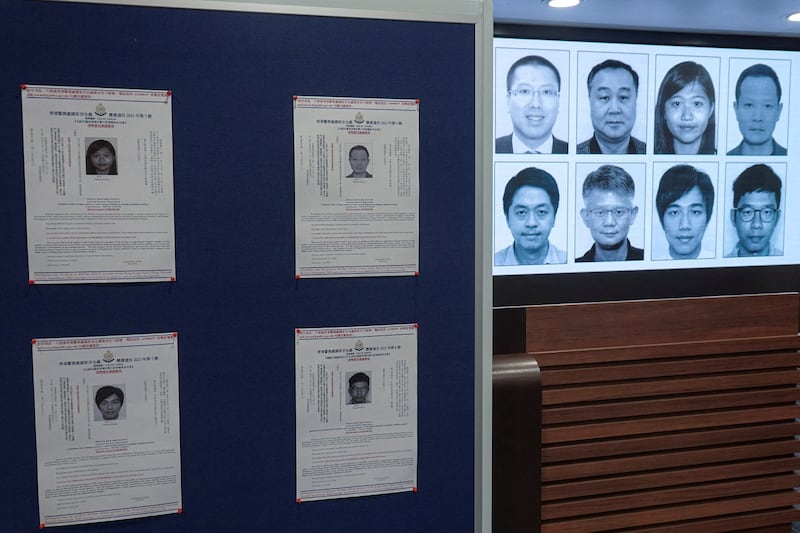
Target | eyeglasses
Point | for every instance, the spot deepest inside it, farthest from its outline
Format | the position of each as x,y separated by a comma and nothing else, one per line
748,213
525,93
617,212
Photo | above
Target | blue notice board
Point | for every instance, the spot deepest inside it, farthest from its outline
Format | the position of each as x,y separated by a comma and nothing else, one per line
236,302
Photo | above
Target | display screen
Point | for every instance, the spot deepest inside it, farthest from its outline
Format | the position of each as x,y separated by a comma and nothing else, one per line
617,157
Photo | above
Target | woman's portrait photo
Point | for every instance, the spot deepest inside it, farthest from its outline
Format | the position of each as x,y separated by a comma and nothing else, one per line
101,158
685,114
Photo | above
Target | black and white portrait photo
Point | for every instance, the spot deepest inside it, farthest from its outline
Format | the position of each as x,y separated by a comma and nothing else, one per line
686,105
533,112
612,103
358,391
757,124
530,202
109,401
101,157
611,197
684,222
755,200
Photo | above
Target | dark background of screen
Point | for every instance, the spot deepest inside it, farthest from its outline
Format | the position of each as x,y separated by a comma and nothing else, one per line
532,289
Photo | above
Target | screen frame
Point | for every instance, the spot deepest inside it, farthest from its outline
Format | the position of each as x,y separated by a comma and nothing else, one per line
534,289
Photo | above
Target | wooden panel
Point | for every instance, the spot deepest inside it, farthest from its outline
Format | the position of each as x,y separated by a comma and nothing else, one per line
643,426
672,513
660,351
767,529
665,369
639,323
763,522
638,463
698,492
684,476
589,411
591,393
675,415
650,443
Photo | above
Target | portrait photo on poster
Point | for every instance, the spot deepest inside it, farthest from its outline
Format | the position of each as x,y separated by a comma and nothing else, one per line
612,103
685,114
531,206
755,200
358,160
358,387
758,118
101,156
532,102
609,200
684,217
109,401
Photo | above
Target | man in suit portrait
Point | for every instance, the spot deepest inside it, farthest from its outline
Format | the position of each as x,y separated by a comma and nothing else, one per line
613,91
533,91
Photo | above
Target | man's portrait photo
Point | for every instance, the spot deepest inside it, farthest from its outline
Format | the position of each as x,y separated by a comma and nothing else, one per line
686,110
610,205
610,112
684,208
755,210
358,388
533,85
757,106
109,401
358,157
530,205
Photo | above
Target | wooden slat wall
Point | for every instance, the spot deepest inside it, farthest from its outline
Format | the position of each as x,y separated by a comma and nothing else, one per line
669,415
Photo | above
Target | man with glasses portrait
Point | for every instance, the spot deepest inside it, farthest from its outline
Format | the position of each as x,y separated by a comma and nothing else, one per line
756,211
533,88
609,212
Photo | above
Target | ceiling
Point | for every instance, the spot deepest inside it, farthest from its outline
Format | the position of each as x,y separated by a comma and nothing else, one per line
752,17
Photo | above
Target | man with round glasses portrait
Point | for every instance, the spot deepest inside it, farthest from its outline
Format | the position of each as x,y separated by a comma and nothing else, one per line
608,213
756,211
533,90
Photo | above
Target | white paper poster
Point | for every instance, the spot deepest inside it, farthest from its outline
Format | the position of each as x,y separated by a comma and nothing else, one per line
356,187
356,400
107,427
98,184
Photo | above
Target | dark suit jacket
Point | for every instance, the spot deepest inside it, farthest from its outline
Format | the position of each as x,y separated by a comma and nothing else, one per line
634,254
591,146
502,145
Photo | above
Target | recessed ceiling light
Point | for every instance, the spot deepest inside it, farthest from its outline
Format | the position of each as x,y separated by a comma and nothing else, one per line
562,3
794,17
